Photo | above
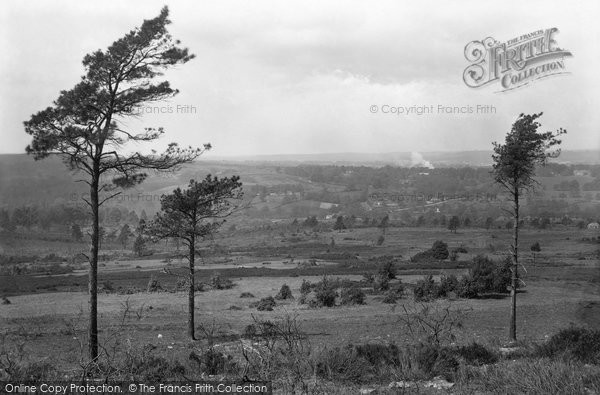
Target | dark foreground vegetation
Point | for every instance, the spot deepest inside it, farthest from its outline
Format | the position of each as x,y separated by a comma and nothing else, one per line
279,350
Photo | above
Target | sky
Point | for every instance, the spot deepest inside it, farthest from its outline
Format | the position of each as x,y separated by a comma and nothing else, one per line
273,77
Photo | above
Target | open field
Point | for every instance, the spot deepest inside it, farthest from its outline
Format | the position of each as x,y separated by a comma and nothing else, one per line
48,313
51,326
544,308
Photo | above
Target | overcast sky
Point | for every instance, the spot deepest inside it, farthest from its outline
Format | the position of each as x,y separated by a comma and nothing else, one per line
275,77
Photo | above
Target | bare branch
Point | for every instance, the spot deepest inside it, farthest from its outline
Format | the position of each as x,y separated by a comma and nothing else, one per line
108,198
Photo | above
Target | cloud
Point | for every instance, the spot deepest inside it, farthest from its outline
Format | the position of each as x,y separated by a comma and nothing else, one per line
270,77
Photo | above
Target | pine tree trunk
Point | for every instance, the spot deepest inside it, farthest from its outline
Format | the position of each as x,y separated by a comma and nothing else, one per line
515,272
191,291
93,273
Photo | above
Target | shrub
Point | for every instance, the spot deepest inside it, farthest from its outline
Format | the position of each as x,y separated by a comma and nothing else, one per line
303,298
305,287
439,250
432,323
387,269
394,293
182,283
213,362
5,300
476,354
466,288
378,354
52,258
433,360
398,287
380,240
34,371
107,286
284,293
448,284
325,297
391,297
423,257
368,278
246,295
425,289
265,304
352,296
153,285
325,292
357,363
250,331
343,364
574,343
489,276
453,256
381,283
532,376
155,368
380,259
460,249
219,282
129,291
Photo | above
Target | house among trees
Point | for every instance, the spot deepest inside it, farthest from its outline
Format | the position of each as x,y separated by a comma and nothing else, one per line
582,173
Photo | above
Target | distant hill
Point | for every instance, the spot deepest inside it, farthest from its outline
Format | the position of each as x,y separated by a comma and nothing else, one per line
439,159
25,181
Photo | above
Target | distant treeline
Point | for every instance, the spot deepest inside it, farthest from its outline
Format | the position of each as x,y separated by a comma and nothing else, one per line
64,216
425,180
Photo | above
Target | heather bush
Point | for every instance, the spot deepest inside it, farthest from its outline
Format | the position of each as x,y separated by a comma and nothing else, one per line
466,288
305,288
489,276
448,284
219,282
352,296
477,354
425,289
574,343
325,297
265,304
390,297
387,269
284,293
213,362
439,250
381,283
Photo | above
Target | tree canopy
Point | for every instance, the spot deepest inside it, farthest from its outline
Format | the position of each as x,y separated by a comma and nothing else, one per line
85,124
524,148
197,211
